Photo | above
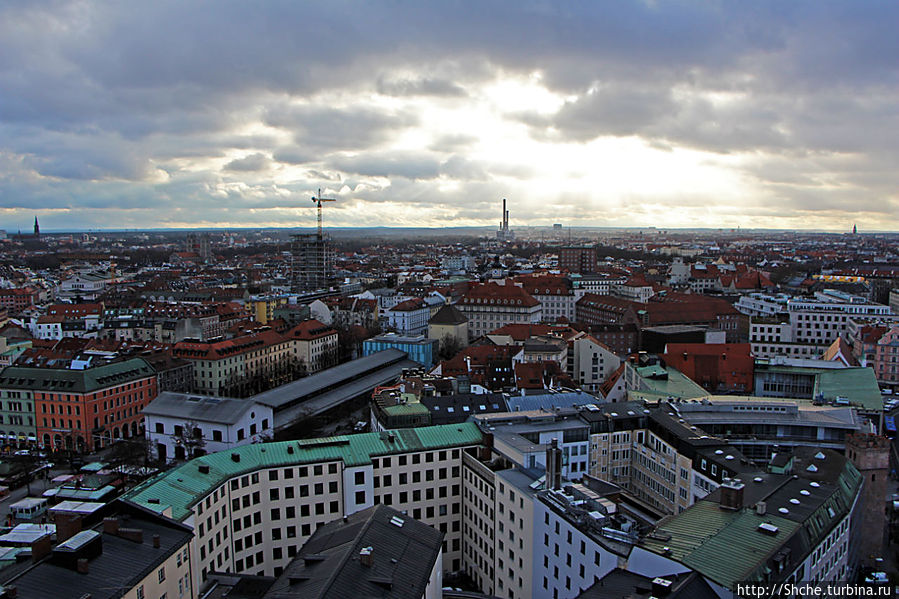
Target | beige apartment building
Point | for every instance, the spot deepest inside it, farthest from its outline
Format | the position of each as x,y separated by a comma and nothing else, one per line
313,345
235,367
252,508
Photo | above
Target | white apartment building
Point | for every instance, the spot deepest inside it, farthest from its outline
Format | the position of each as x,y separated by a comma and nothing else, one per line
821,320
590,362
556,302
409,317
491,306
569,556
522,438
762,304
597,284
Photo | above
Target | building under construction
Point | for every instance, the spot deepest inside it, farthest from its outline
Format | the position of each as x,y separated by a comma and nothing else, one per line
311,263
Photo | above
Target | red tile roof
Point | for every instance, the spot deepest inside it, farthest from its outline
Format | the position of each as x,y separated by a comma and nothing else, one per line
410,305
309,330
491,293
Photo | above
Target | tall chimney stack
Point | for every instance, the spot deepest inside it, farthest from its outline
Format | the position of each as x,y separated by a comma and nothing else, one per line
554,465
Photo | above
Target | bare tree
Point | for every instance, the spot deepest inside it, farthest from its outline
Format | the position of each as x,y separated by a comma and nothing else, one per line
449,347
189,436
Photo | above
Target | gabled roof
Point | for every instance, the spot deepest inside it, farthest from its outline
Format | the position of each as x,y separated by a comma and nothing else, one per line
403,553
200,408
609,384
448,315
310,329
410,305
502,295
840,351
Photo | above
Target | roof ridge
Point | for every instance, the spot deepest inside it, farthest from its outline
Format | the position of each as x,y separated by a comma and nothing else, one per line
351,551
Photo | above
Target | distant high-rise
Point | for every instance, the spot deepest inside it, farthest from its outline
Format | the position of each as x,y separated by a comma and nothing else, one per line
504,233
198,243
578,259
311,263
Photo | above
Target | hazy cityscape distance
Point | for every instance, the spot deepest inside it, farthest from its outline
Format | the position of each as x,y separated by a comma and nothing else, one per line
470,300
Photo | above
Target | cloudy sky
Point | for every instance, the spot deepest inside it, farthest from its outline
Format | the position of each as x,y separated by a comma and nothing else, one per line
413,113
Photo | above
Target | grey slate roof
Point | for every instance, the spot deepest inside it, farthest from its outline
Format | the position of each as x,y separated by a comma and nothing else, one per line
550,401
121,565
448,315
302,389
328,566
621,584
199,408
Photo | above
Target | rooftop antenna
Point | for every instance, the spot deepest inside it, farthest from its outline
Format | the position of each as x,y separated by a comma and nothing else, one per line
318,202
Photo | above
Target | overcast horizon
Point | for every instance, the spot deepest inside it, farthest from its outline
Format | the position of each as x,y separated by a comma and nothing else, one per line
596,114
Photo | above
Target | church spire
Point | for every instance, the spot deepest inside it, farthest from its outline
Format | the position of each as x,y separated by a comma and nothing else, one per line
37,228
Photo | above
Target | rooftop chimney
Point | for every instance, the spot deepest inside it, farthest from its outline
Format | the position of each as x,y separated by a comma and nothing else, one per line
111,525
132,534
731,495
156,541
41,548
83,567
554,465
661,587
66,527
365,556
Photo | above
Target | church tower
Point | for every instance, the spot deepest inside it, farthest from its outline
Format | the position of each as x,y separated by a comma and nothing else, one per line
37,228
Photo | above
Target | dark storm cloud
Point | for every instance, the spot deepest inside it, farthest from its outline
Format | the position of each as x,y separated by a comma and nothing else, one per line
408,165
329,129
253,162
419,87
96,98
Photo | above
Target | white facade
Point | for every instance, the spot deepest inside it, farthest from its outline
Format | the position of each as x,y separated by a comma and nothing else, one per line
822,320
485,317
254,426
566,561
591,363
634,293
762,304
556,305
409,322
87,286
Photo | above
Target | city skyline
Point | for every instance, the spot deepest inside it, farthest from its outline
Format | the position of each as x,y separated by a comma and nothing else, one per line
672,115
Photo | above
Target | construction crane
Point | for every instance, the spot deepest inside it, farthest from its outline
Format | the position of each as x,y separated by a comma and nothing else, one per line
318,202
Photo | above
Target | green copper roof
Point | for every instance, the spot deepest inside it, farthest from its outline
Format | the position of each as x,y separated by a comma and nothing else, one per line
183,486
858,385
725,546
674,384
728,547
75,381
406,409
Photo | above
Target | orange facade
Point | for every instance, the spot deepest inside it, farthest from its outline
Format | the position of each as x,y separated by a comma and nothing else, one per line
89,421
